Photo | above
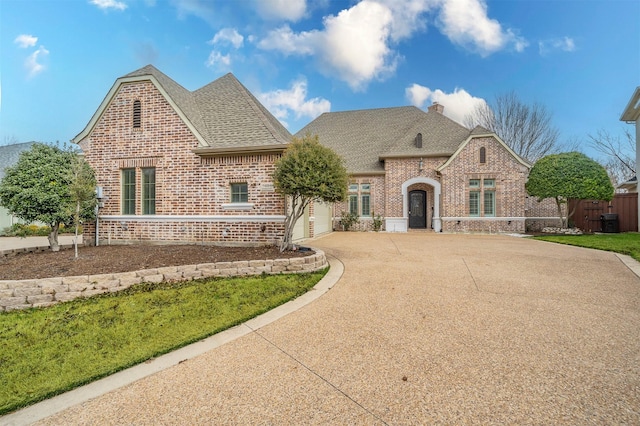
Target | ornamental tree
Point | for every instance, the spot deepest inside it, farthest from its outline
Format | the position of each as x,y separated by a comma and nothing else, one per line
308,172
82,187
569,175
38,188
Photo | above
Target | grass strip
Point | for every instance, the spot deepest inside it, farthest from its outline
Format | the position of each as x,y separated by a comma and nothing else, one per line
45,352
627,243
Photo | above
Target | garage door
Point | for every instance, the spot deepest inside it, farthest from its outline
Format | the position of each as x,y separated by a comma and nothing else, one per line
322,214
301,228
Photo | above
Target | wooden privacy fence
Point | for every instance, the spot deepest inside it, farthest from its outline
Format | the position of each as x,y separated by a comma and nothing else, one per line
588,212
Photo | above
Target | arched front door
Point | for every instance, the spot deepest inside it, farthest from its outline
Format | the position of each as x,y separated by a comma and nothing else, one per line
417,209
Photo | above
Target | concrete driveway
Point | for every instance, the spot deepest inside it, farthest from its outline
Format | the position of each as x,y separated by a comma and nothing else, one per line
420,329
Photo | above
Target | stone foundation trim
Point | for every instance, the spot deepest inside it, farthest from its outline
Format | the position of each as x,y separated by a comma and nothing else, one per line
395,224
194,218
13,252
545,218
24,294
483,218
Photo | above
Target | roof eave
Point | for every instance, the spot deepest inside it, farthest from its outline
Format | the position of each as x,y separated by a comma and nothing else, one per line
632,112
114,89
425,155
371,173
207,151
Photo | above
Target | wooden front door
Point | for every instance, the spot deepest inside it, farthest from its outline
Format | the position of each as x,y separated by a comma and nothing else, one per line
417,209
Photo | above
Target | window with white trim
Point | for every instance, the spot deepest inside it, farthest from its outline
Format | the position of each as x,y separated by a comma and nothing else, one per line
353,198
359,199
489,194
128,191
482,197
149,190
365,199
239,192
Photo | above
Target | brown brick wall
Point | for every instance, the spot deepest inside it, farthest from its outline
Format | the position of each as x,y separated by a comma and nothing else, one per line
378,203
186,184
400,170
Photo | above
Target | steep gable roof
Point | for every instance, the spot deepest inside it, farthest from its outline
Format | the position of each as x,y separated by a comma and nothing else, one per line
481,132
222,115
234,117
364,137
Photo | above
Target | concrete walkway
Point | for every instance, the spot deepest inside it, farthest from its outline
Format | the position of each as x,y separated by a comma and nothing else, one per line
420,329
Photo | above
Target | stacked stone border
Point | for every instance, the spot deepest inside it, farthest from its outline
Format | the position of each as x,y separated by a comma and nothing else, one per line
36,293
13,252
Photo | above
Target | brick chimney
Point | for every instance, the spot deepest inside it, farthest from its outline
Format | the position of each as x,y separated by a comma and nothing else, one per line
436,107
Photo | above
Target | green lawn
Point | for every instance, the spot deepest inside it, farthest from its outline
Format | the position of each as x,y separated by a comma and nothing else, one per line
44,352
626,243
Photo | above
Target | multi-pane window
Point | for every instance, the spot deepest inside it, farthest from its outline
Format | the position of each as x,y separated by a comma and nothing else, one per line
482,197
489,203
137,114
489,197
149,190
474,203
360,199
128,191
365,197
353,199
239,193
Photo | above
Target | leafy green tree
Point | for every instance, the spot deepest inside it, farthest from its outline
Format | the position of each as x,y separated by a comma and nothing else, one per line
37,188
569,175
82,188
308,172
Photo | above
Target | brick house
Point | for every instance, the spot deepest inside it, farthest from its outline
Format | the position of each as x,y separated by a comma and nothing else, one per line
422,170
196,166
176,165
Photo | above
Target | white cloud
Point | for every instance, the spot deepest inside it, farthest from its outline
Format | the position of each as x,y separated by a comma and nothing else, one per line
218,60
228,35
564,44
283,102
26,40
457,105
203,9
287,10
465,22
286,41
353,45
109,4
32,63
357,44
408,16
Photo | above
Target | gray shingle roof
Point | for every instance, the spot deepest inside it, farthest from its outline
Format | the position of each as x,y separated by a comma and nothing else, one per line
224,112
363,137
9,154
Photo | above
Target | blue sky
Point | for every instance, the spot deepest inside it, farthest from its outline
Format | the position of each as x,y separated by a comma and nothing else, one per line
581,59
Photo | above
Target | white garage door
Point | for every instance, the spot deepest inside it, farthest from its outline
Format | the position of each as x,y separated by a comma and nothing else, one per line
301,228
322,214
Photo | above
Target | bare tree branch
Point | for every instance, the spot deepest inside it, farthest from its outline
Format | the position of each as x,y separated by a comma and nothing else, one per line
619,154
527,129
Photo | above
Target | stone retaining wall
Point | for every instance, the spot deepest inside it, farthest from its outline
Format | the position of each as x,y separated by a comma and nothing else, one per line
23,294
22,250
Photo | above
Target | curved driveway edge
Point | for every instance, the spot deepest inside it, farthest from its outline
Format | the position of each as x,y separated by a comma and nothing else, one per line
423,329
122,378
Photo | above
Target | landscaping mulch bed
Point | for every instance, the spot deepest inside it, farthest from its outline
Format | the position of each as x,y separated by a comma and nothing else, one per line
125,258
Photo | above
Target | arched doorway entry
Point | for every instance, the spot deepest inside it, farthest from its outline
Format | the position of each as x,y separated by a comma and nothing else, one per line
434,204
417,209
